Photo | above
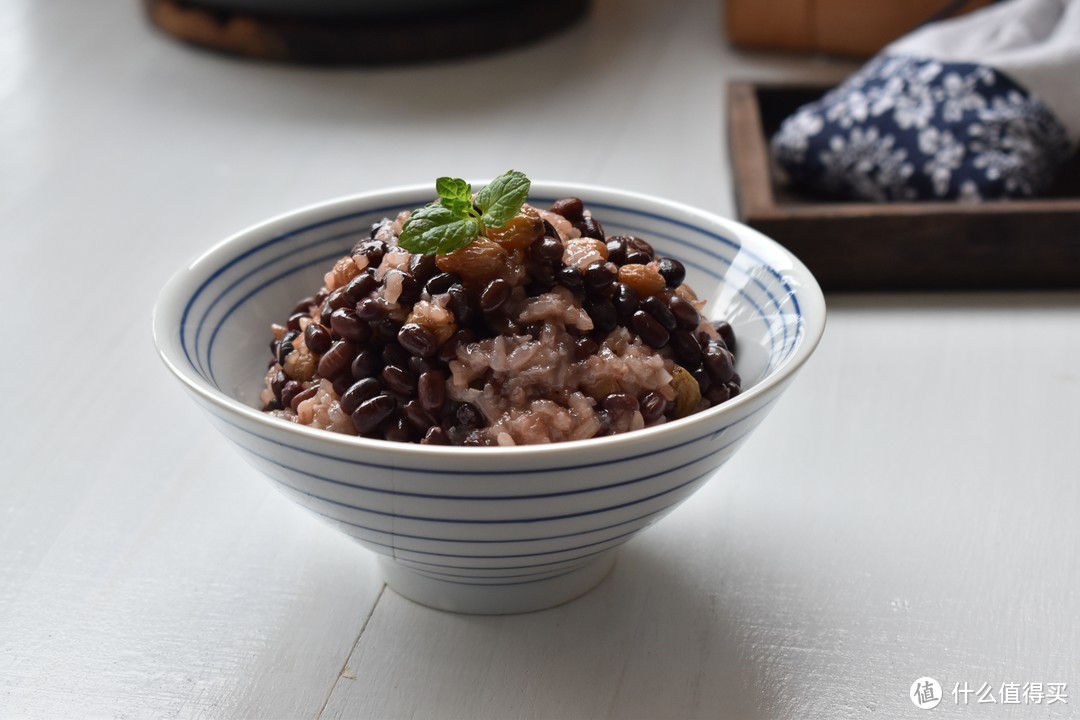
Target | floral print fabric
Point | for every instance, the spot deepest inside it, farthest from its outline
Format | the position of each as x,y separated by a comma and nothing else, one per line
905,128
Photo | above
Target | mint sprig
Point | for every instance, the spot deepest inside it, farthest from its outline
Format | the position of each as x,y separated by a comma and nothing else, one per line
455,220
502,198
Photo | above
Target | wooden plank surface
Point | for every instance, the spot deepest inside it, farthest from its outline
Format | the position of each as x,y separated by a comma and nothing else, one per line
907,509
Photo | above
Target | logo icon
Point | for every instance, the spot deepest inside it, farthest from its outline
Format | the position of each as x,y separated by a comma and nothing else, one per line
926,693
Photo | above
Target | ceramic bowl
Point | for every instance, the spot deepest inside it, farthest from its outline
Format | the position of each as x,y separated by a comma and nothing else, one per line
493,529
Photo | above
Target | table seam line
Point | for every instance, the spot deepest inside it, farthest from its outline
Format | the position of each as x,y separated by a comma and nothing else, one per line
352,651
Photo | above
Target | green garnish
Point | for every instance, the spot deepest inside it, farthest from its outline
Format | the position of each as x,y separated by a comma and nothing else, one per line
455,220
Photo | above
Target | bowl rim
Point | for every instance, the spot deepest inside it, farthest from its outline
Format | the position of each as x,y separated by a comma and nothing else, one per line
804,288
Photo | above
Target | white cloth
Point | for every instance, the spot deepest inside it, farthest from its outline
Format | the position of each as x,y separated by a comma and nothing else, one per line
1035,42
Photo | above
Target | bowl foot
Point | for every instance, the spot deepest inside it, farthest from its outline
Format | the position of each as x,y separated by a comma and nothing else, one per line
495,597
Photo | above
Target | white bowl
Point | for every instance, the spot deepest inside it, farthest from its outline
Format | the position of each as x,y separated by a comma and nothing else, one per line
491,529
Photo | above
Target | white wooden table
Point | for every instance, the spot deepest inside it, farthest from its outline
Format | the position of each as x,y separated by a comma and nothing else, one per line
909,509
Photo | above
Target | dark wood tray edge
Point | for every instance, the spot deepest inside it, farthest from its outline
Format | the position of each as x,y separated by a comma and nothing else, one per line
901,246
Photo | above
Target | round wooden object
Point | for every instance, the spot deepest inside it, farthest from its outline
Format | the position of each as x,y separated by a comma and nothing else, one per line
364,40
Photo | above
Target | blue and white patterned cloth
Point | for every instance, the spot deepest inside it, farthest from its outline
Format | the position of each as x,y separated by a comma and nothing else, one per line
909,128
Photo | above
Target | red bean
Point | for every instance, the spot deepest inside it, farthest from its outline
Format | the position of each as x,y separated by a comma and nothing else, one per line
372,249
603,314
638,251
468,417
346,324
570,208
460,304
686,315
441,283
370,309
727,333
410,287
358,392
337,299
584,348
542,279
278,383
607,425
672,271
418,365
494,295
341,383
399,431
372,412
302,396
620,403
649,330
294,321
718,393
304,306
616,247
395,355
591,227
719,362
570,278
286,346
627,301
337,359
417,339
386,330
703,380
686,347
652,407
366,364
290,390
417,416
317,338
423,268
660,312
399,381
548,250
360,287
431,390
599,276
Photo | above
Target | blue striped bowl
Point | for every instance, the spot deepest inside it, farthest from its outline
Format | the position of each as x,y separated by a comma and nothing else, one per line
483,530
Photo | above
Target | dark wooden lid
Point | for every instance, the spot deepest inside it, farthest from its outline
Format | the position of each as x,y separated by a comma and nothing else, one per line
358,39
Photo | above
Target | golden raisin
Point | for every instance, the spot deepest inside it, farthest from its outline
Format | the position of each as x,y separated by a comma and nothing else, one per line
482,259
600,389
582,252
437,320
344,271
300,365
645,279
523,229
597,245
687,293
687,391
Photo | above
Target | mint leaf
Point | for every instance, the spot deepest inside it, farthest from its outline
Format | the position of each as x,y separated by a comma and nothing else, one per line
456,196
460,207
502,198
453,222
434,229
453,188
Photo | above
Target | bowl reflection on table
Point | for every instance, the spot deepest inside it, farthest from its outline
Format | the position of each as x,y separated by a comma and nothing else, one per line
491,529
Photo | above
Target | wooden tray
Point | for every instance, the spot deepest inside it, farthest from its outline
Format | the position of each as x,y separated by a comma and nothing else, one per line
900,246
